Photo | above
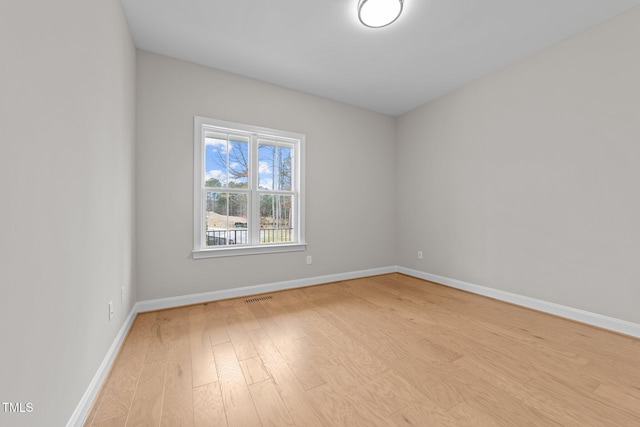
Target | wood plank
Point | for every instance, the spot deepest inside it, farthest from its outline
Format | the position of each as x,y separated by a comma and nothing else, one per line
423,415
254,370
216,325
177,410
120,386
294,397
466,415
146,409
236,397
239,338
620,395
208,407
345,349
284,331
339,408
113,422
479,369
269,404
202,361
168,325
584,402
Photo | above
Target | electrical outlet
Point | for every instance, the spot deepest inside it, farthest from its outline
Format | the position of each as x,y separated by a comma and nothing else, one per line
419,254
110,310
309,260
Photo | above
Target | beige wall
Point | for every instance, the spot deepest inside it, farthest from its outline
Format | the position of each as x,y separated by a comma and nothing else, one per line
527,180
349,179
67,78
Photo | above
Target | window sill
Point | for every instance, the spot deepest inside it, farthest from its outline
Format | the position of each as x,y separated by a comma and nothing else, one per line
247,250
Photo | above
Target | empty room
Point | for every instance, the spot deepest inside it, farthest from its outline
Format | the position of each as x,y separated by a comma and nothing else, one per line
319,213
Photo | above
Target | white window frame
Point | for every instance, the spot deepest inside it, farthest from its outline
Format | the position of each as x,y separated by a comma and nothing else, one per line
200,250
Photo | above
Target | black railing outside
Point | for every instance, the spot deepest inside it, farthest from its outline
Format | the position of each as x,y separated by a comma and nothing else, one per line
241,236
226,237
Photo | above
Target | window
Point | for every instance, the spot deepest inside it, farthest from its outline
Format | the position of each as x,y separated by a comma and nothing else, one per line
248,189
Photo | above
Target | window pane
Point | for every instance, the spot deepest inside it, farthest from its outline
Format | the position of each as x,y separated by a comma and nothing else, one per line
238,162
285,168
226,161
215,161
226,219
275,165
275,218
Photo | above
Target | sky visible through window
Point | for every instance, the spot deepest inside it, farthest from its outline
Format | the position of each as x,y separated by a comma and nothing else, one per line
227,163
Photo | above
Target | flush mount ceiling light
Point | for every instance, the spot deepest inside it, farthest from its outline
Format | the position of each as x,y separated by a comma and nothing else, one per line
379,13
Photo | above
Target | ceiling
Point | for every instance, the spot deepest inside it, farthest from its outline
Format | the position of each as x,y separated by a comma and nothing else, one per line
319,46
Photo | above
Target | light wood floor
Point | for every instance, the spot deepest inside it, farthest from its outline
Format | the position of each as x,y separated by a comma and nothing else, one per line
381,351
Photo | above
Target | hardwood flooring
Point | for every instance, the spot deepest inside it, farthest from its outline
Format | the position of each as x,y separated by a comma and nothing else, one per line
387,350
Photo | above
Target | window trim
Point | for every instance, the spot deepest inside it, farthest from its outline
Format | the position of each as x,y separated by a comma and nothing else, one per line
199,250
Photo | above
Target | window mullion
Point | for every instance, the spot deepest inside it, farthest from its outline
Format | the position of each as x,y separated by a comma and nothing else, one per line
254,228
227,164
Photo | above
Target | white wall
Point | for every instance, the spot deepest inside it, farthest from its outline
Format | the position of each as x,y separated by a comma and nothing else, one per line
527,180
349,179
67,108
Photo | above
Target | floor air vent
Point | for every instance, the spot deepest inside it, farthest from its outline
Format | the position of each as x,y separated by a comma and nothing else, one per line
257,299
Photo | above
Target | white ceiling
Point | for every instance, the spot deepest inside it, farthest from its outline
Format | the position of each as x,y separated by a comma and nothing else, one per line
319,46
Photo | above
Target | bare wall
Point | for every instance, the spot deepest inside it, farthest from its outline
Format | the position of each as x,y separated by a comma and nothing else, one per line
66,218
527,180
350,161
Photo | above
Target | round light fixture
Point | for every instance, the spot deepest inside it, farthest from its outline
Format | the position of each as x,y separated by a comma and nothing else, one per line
379,13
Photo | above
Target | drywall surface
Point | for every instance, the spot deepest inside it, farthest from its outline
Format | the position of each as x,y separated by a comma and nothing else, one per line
350,161
66,219
527,180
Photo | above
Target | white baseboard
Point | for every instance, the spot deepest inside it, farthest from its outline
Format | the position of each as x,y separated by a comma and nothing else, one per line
82,410
159,304
594,319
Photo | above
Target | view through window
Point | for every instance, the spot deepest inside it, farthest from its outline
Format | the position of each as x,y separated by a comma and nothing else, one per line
248,189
